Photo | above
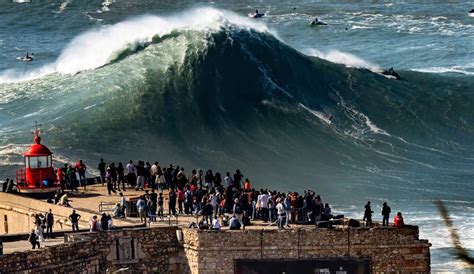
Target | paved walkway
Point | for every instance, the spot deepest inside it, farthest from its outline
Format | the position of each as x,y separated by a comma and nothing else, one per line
90,199
10,247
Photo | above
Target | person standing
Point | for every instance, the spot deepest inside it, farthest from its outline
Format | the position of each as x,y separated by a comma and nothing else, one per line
131,176
101,168
113,171
109,177
281,213
81,168
60,178
71,175
172,202
262,204
154,174
49,224
121,176
386,214
123,204
33,239
160,206
228,180
141,204
287,205
238,179
40,226
140,176
368,215
74,218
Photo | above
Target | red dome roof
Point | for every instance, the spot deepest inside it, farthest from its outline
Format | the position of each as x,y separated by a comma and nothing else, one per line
38,149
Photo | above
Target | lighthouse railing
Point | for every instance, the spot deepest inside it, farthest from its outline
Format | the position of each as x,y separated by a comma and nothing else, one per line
20,177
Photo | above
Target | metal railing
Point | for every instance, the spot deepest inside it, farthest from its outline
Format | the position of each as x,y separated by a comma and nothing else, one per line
106,206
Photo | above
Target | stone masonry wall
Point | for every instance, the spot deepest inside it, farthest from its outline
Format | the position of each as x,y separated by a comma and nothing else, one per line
157,250
390,249
74,257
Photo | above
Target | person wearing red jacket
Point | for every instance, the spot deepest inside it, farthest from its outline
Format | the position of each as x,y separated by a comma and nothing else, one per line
398,220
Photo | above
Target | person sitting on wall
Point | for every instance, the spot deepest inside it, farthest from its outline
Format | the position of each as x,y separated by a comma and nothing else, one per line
216,224
94,224
203,224
234,223
10,186
326,216
398,220
5,184
117,211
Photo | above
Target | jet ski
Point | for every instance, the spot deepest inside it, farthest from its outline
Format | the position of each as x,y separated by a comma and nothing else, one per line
316,22
471,13
391,73
256,14
312,24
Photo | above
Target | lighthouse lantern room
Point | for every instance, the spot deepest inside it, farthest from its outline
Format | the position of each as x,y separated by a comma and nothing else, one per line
38,174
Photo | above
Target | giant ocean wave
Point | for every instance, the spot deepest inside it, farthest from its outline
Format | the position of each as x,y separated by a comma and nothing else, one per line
227,93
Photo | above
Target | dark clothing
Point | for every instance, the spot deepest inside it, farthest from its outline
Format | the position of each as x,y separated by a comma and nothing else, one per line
33,239
49,224
104,223
368,215
110,187
75,221
237,180
386,214
234,224
172,203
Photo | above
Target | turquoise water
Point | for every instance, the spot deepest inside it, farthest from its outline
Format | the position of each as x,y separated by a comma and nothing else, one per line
203,85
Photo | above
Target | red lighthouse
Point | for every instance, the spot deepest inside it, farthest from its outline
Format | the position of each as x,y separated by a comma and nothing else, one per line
38,175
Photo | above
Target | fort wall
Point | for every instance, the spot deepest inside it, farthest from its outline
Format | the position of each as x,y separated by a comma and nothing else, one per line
17,214
183,250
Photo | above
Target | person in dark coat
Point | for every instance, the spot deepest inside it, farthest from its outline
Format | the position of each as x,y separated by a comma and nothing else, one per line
368,214
49,218
386,214
33,239
104,222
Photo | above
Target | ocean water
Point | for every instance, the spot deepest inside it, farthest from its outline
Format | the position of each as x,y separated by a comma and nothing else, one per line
201,84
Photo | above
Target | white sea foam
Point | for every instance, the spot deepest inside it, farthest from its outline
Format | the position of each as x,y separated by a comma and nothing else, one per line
320,115
98,47
452,69
62,7
344,58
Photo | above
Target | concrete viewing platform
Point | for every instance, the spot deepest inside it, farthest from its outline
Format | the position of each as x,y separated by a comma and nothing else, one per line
169,246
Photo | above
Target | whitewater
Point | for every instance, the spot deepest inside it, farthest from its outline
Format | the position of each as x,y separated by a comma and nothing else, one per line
203,85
